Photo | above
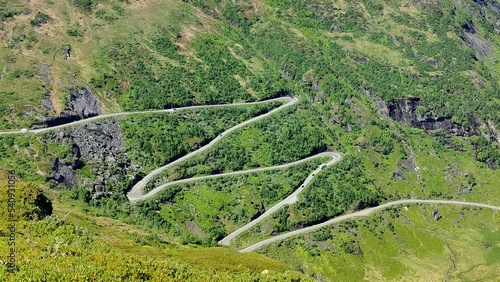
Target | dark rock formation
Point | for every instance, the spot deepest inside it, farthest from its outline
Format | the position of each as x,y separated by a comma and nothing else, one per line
361,59
260,212
495,7
379,102
493,134
99,142
480,2
436,215
66,53
100,147
40,19
336,27
81,104
433,63
63,173
473,40
46,101
84,103
405,110
405,166
491,4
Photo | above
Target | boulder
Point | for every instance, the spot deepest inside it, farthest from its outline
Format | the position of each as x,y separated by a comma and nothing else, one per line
100,146
63,173
436,215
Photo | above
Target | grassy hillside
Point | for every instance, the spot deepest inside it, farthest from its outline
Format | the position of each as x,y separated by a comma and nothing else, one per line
70,244
407,91
404,243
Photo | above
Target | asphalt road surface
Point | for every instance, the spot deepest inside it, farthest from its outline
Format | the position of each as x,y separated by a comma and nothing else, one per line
136,193
287,201
364,212
100,117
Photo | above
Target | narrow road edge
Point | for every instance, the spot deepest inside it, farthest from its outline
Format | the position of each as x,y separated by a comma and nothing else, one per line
364,212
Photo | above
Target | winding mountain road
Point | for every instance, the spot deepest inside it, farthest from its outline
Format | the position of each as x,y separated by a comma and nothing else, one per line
287,201
289,101
136,193
364,212
248,171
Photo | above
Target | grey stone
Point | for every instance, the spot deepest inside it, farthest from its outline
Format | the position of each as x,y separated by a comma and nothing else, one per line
63,173
101,147
404,111
81,104
436,215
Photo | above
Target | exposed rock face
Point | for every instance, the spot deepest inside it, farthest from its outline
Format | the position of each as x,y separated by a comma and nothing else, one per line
81,104
100,147
489,4
40,19
84,103
481,3
99,142
403,167
494,134
46,101
64,173
404,110
473,40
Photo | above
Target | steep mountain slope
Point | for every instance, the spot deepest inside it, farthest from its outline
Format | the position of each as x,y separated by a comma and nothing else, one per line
407,91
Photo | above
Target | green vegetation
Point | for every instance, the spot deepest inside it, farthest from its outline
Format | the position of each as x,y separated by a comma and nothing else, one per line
39,19
73,245
154,140
206,211
345,61
280,139
29,155
8,9
400,243
84,5
337,190
170,83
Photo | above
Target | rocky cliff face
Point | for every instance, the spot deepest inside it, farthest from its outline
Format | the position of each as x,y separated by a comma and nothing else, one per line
64,172
405,110
81,104
99,147
473,40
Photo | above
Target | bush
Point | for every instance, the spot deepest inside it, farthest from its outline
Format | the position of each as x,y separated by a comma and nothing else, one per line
85,5
39,19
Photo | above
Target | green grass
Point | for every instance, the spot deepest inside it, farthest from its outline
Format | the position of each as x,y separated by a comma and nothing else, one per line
229,202
74,245
220,51
416,250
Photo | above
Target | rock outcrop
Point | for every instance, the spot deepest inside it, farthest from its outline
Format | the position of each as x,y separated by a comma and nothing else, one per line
405,111
63,172
81,104
40,19
99,147
47,101
474,40
436,215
